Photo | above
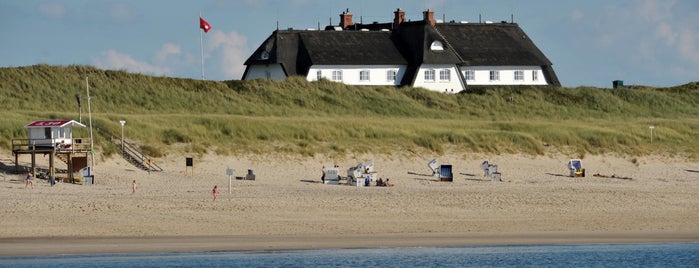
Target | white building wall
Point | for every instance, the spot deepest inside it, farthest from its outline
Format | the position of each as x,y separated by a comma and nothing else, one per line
37,135
378,74
506,73
452,85
267,71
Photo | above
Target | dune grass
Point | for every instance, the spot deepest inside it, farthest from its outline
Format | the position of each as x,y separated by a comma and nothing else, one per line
171,115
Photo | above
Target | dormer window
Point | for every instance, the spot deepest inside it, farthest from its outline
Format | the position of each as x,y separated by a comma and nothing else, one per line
264,55
436,46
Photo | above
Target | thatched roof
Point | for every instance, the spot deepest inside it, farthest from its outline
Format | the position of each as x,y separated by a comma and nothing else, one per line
496,44
465,44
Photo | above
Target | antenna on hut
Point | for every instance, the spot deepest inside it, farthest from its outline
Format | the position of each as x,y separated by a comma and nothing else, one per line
78,97
512,18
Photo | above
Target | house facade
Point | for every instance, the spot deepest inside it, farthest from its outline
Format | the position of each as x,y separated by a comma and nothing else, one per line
445,57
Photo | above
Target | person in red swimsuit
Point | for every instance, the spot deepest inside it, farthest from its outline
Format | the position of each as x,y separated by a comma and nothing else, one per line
215,192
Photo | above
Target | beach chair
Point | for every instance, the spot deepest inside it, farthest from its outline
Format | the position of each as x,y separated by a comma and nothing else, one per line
488,168
331,176
434,167
445,173
575,167
485,166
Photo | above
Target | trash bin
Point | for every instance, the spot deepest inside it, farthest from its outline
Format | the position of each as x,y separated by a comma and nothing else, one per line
52,179
88,180
250,175
496,176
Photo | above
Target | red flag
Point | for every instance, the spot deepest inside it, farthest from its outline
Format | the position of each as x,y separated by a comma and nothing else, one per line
204,25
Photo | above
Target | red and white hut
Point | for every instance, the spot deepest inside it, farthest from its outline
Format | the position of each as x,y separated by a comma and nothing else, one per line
52,133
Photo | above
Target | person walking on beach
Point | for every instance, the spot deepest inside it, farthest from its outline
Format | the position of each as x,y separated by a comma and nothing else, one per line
133,187
29,181
215,192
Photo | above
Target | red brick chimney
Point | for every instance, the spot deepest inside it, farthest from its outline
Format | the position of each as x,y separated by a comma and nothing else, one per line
428,15
398,18
346,19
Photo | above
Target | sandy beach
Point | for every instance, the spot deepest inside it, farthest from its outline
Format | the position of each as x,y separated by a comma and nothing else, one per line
287,206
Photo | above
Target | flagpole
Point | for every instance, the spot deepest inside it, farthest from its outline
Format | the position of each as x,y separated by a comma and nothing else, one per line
201,46
89,112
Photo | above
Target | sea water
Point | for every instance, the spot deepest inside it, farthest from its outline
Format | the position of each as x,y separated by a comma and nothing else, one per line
597,255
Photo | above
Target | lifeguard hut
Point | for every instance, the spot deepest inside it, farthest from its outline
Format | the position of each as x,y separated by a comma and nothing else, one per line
53,138
51,133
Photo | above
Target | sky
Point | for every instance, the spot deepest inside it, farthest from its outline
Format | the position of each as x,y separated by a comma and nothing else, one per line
590,43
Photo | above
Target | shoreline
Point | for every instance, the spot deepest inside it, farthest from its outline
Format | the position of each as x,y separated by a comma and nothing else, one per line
124,245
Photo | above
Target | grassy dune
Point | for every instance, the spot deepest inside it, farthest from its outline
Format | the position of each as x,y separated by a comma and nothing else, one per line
295,117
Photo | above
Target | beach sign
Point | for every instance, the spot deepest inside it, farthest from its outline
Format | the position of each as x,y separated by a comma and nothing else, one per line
189,163
229,172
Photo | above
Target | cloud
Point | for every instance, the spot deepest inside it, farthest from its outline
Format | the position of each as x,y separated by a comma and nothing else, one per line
688,46
226,51
658,36
167,53
114,60
52,10
577,15
231,50
121,12
655,10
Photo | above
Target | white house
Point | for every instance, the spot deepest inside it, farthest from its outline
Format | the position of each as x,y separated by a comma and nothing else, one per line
434,55
51,133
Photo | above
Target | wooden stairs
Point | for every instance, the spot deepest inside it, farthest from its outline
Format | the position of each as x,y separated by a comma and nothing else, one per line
131,152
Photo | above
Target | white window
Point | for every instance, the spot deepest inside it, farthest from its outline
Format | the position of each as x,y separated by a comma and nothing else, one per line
319,75
436,46
519,75
535,75
470,75
337,75
364,75
429,75
391,75
494,75
445,75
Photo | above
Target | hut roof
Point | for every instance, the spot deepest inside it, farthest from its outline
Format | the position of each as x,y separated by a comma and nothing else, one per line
54,123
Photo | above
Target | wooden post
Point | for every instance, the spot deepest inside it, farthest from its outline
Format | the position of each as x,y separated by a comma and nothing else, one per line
33,168
70,166
51,166
17,162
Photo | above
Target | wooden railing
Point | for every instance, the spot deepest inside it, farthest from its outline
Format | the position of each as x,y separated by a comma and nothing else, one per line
75,144
131,152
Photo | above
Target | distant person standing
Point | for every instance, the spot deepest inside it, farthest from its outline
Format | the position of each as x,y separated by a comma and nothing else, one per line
29,181
215,192
133,187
